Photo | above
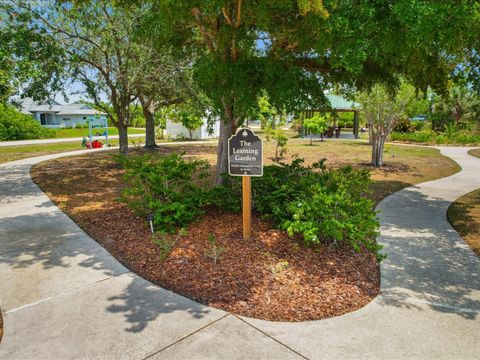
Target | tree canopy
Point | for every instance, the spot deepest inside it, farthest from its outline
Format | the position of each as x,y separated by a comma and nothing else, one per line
296,49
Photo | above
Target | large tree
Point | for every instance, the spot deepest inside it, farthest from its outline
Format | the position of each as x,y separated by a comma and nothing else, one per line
25,69
296,49
104,52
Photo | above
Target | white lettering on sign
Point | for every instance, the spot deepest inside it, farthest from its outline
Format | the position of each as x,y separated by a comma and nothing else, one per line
245,154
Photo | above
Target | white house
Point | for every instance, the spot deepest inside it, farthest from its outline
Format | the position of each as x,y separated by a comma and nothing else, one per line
175,130
56,115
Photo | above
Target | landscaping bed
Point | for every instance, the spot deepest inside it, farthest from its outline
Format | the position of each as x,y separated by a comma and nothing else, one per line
271,276
475,152
464,215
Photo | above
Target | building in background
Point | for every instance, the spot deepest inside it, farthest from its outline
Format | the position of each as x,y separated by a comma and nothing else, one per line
175,130
56,115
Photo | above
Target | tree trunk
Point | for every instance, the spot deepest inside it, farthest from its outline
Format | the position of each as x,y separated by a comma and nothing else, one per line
378,143
222,150
123,137
370,135
190,133
149,129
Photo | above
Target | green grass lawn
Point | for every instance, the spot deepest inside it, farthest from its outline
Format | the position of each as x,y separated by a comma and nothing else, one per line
12,153
68,133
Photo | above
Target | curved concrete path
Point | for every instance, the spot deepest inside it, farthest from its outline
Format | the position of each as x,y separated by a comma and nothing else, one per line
65,297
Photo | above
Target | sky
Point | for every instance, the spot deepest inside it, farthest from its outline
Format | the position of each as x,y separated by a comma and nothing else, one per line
75,92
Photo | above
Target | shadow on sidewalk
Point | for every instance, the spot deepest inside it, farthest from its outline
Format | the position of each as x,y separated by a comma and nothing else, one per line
427,260
143,302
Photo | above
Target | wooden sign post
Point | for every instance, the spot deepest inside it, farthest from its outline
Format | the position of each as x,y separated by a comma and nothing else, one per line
247,206
245,159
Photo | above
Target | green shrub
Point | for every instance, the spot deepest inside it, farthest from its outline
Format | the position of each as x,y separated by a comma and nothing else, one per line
335,212
450,136
418,125
324,206
167,187
404,126
281,184
424,136
227,196
17,126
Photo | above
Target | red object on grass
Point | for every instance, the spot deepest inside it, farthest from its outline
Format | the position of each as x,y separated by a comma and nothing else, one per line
97,144
94,144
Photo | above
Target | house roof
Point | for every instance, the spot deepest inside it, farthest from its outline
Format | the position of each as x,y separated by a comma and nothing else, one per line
340,103
30,106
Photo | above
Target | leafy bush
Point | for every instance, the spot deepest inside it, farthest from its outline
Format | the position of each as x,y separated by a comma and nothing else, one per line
335,215
450,136
167,187
324,206
404,126
418,125
17,126
408,126
228,196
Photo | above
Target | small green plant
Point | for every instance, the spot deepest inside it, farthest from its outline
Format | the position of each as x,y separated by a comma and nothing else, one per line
215,250
269,132
315,125
281,146
167,242
450,130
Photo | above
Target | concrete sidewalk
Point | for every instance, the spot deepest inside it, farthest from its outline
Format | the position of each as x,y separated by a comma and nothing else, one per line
61,140
65,297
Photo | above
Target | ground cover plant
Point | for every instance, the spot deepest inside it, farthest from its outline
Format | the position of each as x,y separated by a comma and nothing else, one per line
272,276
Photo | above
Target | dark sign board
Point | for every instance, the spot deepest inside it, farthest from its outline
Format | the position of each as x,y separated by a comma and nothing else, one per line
245,154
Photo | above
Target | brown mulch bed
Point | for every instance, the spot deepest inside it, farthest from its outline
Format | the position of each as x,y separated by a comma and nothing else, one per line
270,276
464,215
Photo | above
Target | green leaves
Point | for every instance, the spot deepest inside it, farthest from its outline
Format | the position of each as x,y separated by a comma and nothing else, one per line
323,206
168,187
17,126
